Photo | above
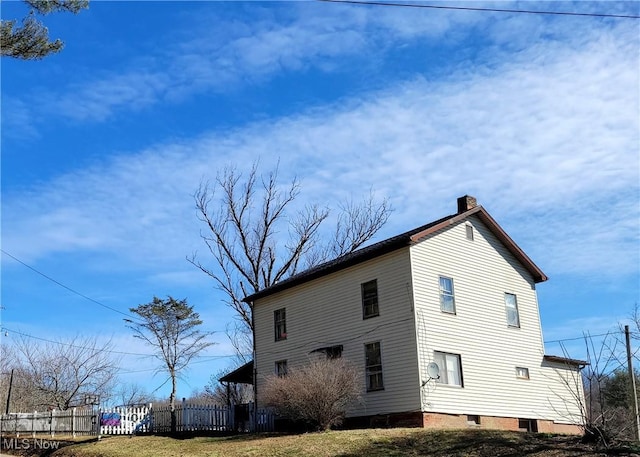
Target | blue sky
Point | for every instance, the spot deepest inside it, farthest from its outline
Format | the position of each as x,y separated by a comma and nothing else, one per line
104,144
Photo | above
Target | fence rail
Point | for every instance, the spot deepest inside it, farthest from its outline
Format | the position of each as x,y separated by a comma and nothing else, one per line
70,422
146,419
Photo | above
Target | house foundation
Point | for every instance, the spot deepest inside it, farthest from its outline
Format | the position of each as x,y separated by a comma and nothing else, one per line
457,421
442,421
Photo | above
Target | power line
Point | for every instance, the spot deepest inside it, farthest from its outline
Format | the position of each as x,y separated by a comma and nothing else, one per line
495,10
67,287
585,336
61,343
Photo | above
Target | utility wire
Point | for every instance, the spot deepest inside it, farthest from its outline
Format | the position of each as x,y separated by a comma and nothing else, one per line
585,336
67,287
495,10
62,343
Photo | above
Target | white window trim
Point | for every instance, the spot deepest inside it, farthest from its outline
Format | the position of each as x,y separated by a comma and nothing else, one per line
377,300
507,307
440,357
442,293
367,374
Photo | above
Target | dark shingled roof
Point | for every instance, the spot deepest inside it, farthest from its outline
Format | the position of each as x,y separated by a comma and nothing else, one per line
565,360
397,242
241,375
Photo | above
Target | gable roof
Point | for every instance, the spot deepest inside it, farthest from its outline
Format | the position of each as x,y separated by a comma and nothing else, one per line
399,241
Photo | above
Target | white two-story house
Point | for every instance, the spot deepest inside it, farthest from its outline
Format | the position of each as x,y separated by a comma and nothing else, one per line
443,322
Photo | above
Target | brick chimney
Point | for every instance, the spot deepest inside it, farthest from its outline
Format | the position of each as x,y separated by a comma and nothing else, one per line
465,203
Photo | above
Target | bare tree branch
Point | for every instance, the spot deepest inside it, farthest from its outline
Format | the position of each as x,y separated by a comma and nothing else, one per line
256,242
60,375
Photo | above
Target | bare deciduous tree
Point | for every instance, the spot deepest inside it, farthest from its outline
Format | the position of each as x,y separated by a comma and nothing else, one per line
605,408
60,375
171,328
318,393
246,220
131,393
229,394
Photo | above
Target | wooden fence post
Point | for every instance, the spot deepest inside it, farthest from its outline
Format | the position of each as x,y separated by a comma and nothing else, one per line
73,423
183,415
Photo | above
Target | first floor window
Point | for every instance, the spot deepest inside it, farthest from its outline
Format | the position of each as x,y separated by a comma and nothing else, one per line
511,303
280,324
281,368
331,352
450,368
373,366
522,373
447,300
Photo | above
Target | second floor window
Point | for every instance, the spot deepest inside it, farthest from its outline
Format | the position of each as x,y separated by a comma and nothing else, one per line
369,299
511,303
447,300
280,324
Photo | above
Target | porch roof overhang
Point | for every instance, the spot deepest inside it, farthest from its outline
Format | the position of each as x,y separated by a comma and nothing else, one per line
241,375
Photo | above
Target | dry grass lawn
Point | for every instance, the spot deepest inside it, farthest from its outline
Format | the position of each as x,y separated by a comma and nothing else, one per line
354,443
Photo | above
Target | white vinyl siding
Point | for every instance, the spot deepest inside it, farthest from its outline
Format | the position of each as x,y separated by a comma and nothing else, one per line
489,350
327,312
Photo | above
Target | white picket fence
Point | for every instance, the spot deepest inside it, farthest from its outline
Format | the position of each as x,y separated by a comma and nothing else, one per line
125,420
81,421
144,419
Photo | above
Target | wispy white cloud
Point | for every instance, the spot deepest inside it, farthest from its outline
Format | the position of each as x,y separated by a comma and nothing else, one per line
221,53
547,140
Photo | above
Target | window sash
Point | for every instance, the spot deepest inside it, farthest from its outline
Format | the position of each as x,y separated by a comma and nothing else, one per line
373,366
511,306
369,291
447,298
281,368
450,368
522,373
280,324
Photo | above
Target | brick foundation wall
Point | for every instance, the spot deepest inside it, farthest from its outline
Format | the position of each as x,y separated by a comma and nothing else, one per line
449,421
457,421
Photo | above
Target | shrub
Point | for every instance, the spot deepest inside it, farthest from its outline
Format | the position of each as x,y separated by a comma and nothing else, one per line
318,393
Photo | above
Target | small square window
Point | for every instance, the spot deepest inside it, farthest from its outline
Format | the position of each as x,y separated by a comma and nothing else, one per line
511,304
280,324
530,425
281,368
522,373
447,299
450,368
373,366
473,419
469,231
369,292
